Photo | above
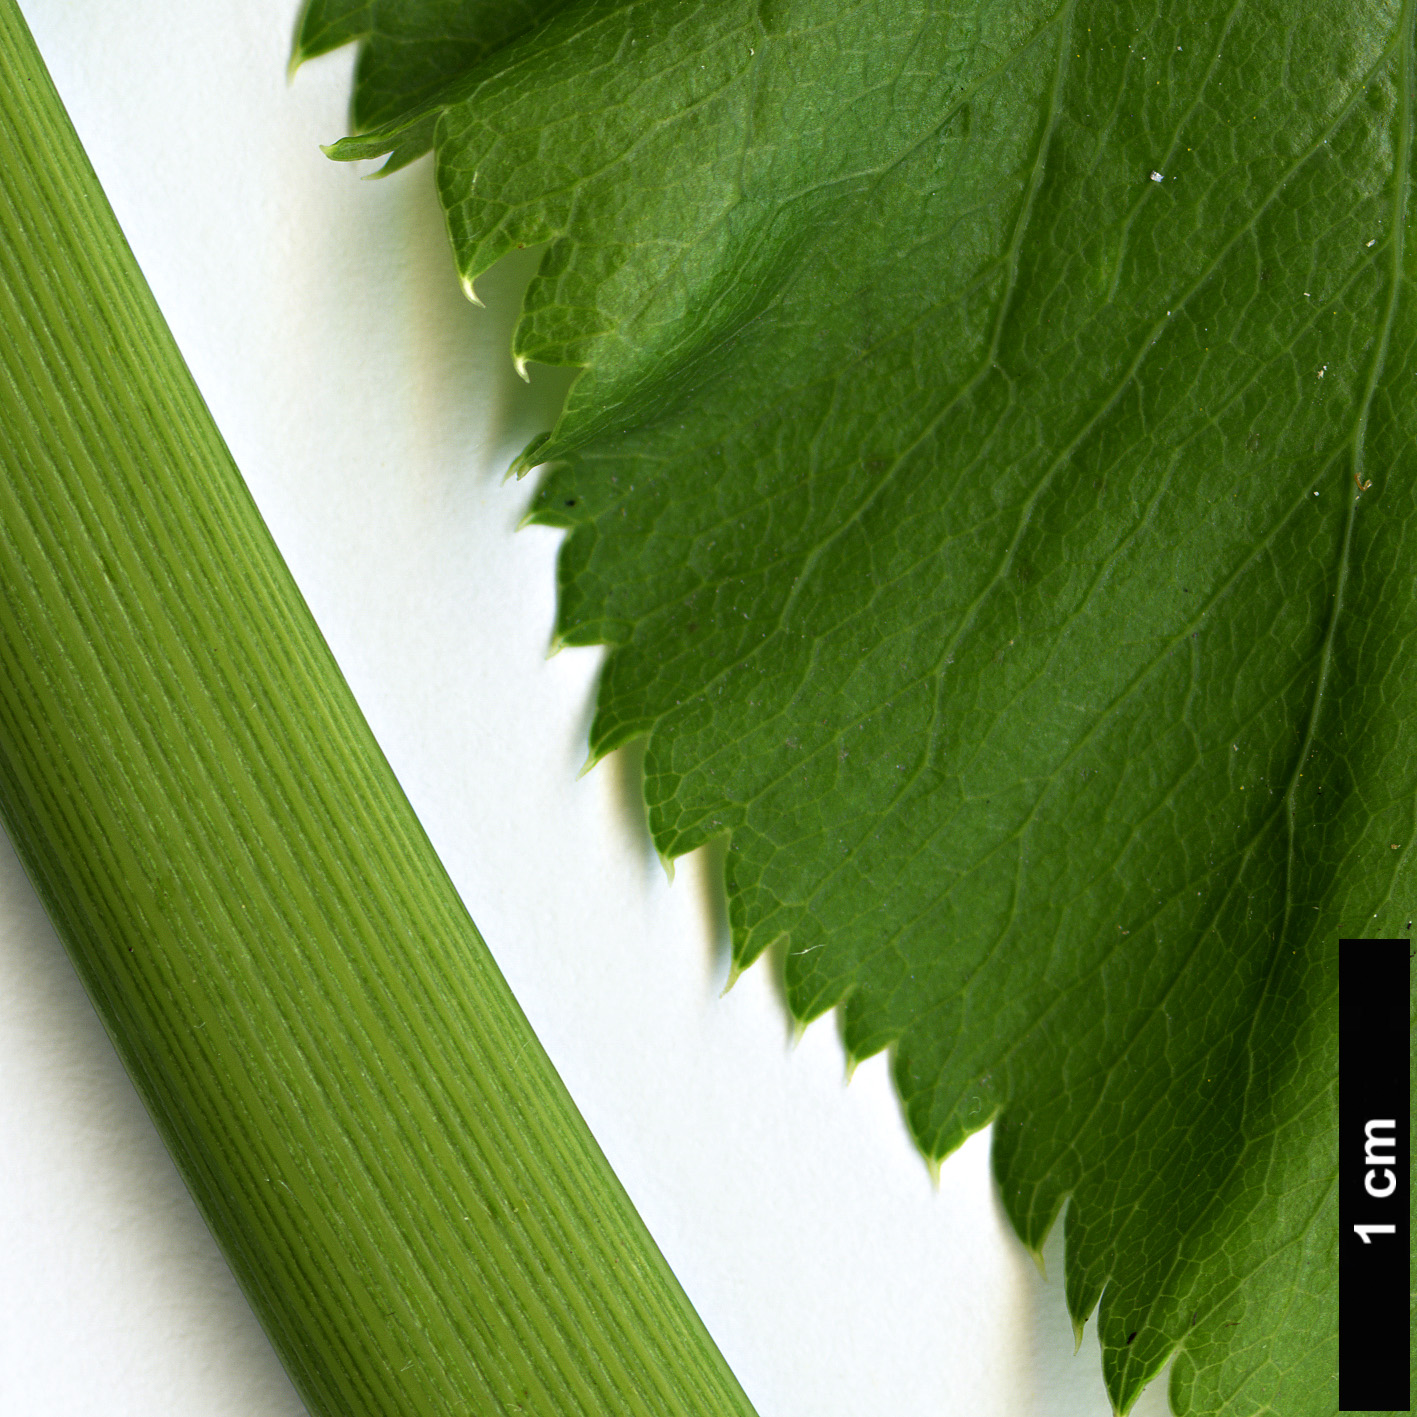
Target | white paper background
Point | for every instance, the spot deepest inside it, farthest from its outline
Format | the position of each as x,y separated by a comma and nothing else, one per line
373,411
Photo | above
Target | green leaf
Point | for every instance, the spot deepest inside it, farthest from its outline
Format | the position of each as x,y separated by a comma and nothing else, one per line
408,51
992,470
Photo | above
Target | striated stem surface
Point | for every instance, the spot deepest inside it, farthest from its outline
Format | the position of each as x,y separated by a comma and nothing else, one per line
396,1174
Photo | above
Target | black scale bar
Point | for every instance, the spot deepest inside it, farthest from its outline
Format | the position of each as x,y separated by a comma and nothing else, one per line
1374,1220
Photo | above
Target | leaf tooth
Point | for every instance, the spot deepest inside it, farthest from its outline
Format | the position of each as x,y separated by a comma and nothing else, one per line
529,456
1037,1256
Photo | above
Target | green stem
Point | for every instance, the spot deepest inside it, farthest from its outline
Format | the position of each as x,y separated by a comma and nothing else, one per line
402,1185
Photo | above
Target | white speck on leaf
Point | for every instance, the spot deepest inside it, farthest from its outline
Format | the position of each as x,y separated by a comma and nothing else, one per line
1157,177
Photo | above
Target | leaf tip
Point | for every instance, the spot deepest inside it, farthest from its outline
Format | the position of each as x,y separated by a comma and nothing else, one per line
932,1165
468,290
668,863
799,1027
519,364
735,973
